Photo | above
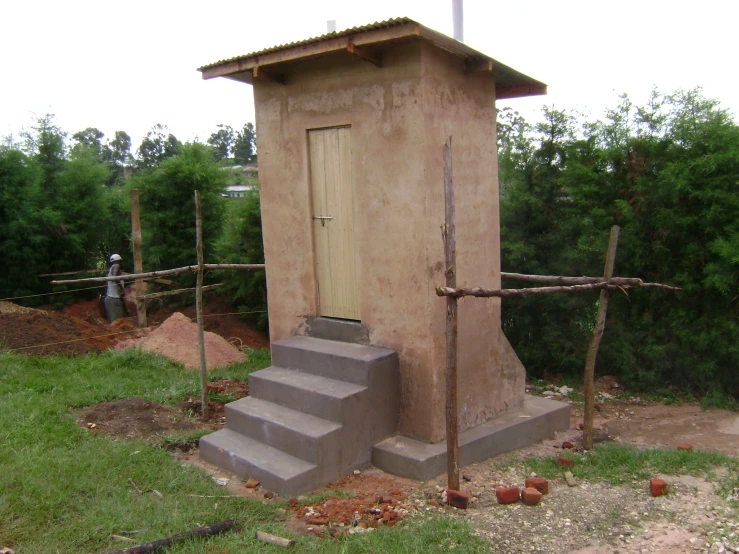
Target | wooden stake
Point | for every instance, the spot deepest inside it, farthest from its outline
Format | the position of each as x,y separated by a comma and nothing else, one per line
138,265
199,309
204,531
450,259
274,539
600,323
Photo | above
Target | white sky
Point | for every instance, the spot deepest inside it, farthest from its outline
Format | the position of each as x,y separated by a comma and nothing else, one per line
129,65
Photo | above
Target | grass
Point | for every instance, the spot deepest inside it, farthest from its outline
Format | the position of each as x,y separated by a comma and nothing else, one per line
65,490
618,464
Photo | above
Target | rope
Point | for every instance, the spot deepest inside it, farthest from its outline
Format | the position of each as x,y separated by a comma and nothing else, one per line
48,293
68,341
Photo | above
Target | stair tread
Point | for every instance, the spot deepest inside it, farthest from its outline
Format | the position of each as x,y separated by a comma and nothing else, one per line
281,464
301,422
337,348
309,381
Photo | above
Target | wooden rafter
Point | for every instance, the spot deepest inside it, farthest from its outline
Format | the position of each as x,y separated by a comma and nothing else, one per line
260,74
364,53
484,65
517,90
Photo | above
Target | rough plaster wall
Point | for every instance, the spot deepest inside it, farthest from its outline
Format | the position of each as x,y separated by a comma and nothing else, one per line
400,115
490,377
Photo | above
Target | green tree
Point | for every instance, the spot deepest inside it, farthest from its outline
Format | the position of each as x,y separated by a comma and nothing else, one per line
157,147
23,240
223,142
245,146
241,243
168,207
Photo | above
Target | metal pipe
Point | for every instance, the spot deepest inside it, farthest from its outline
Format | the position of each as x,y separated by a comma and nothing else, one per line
458,19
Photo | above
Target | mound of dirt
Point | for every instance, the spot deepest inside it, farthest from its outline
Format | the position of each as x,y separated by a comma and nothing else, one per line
177,339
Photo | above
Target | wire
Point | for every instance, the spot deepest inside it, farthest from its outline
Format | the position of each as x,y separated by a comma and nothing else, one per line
232,313
72,340
48,293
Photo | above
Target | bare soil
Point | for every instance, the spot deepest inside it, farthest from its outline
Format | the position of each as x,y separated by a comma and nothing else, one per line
590,518
80,328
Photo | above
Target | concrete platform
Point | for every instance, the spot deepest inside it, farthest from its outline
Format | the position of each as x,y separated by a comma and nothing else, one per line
536,420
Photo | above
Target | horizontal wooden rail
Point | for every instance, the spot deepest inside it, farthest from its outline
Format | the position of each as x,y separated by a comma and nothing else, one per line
162,273
507,293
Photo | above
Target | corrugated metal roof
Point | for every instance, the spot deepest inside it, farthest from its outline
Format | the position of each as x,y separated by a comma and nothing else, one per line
336,34
241,67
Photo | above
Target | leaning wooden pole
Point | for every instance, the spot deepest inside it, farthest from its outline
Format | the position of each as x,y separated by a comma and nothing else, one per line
138,264
600,323
199,308
450,259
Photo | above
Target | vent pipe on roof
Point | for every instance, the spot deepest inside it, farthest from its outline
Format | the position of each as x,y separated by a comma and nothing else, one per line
331,26
458,19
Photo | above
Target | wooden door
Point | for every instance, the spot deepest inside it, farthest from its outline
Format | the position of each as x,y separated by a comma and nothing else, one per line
333,221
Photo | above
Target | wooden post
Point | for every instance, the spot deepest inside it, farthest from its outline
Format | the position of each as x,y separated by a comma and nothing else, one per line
600,323
199,308
138,265
450,259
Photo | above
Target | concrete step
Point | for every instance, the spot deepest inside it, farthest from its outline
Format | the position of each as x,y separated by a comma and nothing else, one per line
343,361
276,470
307,392
308,437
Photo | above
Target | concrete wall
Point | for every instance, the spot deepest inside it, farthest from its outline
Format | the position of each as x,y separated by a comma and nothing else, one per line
400,115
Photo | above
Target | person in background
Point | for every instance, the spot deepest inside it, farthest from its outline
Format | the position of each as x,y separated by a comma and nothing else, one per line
114,297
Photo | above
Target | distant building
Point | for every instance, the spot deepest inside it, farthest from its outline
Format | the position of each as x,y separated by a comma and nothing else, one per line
238,191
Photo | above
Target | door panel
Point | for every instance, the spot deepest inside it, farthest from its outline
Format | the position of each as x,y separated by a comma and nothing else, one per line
333,223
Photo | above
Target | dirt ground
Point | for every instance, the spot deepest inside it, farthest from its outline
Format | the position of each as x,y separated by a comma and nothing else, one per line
590,518
81,328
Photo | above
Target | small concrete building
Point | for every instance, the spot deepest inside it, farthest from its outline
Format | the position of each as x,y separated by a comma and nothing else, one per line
350,128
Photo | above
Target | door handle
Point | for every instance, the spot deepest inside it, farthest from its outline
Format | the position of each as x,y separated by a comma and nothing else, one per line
323,218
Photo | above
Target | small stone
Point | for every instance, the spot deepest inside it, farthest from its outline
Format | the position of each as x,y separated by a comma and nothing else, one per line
568,444
357,472
538,483
269,494
395,492
251,483
317,520
507,495
565,462
457,499
531,496
581,426
657,487
570,479
685,446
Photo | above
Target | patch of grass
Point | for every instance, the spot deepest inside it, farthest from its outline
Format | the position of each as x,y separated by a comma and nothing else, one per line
181,440
618,464
66,490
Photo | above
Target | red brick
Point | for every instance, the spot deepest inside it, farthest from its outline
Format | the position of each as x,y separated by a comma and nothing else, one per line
581,426
538,483
457,499
567,444
531,496
657,487
507,495
685,446
316,520
565,462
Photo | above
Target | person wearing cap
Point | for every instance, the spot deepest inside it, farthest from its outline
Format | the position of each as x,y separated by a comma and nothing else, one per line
114,293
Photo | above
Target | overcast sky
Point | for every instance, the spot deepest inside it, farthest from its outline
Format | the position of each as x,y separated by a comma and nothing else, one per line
129,65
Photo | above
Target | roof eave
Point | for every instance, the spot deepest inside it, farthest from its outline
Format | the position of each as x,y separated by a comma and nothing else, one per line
509,82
